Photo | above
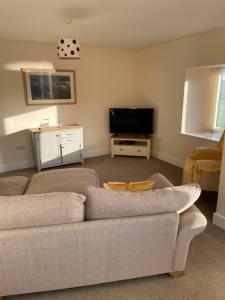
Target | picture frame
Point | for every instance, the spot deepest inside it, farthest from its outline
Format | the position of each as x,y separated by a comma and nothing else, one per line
49,86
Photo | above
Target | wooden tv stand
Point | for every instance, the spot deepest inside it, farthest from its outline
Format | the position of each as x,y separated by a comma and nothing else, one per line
131,145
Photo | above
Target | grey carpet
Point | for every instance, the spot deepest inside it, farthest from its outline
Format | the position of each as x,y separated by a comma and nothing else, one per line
205,271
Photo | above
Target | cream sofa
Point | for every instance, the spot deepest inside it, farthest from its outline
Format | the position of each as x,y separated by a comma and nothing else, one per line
61,234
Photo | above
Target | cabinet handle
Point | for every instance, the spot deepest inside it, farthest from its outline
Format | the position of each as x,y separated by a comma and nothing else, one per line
138,150
121,149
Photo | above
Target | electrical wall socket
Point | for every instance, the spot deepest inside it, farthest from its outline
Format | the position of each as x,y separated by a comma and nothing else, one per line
20,147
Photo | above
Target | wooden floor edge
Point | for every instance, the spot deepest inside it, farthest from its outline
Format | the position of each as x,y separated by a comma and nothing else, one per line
177,274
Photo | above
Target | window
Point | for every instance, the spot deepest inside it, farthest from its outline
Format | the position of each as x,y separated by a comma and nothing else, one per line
220,118
203,113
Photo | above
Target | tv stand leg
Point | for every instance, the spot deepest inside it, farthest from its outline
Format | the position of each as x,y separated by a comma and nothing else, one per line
149,148
112,147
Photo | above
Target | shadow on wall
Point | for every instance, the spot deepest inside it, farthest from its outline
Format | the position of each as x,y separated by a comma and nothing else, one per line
99,86
16,118
14,148
12,87
13,102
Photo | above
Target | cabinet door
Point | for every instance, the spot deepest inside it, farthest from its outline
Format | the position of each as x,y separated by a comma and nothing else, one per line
50,149
71,149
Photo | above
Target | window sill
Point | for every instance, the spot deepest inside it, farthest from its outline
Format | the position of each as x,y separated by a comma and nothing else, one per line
210,136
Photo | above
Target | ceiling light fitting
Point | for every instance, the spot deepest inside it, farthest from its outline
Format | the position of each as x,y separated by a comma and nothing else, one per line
68,48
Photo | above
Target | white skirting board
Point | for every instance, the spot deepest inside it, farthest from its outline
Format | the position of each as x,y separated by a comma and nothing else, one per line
16,166
219,220
168,158
30,163
96,152
90,153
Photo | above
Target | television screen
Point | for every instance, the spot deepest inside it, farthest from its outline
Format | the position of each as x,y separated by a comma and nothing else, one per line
131,120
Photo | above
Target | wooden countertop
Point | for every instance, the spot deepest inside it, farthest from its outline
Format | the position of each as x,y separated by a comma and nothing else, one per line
54,128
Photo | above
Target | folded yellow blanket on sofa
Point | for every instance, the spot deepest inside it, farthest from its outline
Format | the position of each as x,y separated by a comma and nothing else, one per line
132,186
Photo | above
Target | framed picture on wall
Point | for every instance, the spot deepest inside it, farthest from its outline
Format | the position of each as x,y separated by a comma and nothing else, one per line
49,86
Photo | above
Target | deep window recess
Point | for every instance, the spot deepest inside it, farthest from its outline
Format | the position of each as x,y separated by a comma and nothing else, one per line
220,118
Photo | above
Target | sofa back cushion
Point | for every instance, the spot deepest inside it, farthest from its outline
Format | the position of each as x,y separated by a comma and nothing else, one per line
103,204
63,180
12,186
40,210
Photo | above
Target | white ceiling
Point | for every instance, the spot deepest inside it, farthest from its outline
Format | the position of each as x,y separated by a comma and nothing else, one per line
109,23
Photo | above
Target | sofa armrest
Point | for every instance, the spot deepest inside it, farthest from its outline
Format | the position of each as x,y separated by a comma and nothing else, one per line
192,222
161,181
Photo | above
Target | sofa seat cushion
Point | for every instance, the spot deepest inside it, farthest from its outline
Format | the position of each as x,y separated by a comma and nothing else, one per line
40,210
63,180
103,204
12,186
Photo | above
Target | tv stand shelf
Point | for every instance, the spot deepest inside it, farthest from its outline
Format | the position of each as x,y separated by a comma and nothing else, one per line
131,145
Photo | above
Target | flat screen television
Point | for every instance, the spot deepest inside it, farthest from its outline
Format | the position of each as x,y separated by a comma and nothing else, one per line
131,120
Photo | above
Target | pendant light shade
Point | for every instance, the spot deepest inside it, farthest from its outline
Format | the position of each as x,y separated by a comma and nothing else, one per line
68,48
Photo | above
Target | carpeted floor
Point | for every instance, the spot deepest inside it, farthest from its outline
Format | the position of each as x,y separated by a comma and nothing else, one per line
205,270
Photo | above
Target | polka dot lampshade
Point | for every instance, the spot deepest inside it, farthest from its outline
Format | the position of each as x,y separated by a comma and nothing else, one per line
68,48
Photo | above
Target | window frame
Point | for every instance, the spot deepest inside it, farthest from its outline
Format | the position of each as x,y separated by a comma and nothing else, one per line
218,129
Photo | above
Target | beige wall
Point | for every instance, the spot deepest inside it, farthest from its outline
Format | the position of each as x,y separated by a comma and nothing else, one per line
105,78
161,84
221,196
219,216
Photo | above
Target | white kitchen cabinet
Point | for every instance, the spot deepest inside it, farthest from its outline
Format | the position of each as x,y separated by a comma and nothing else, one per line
49,147
54,146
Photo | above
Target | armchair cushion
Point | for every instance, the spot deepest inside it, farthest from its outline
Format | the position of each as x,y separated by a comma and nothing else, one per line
12,186
40,210
103,204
